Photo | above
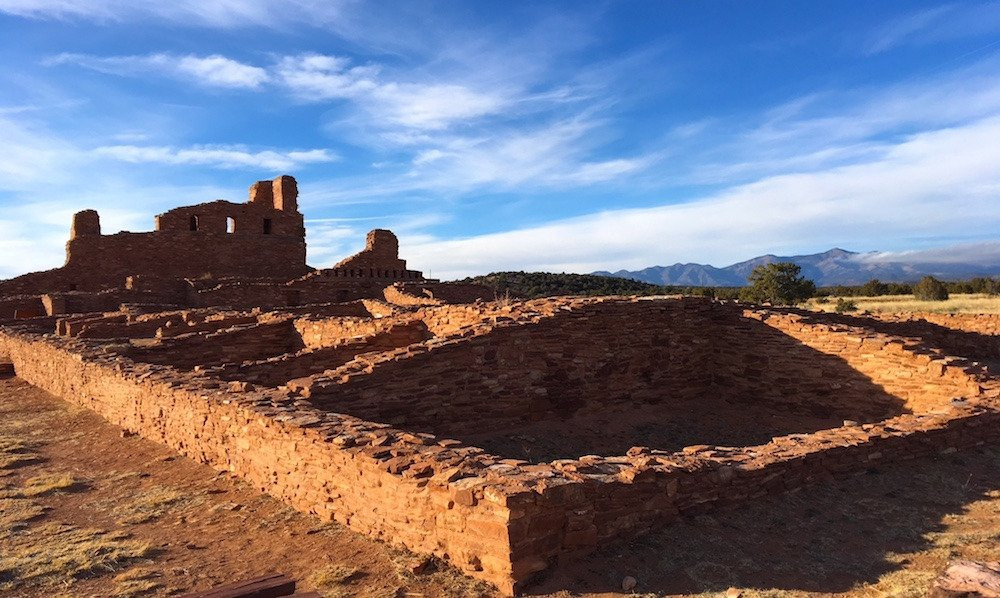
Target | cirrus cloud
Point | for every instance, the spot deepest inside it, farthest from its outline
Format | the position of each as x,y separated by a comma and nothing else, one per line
216,156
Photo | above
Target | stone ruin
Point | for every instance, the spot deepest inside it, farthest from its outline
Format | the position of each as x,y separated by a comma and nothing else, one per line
510,437
217,254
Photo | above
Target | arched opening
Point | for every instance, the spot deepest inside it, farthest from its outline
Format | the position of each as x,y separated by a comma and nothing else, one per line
230,225
193,223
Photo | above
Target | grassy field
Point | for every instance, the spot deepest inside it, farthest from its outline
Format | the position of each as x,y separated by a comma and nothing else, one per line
956,304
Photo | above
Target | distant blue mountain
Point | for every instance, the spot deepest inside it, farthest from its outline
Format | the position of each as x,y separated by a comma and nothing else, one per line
833,267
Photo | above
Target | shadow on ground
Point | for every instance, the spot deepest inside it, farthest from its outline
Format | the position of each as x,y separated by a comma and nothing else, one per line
893,528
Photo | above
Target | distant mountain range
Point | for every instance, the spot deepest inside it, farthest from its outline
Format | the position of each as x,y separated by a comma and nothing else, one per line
833,267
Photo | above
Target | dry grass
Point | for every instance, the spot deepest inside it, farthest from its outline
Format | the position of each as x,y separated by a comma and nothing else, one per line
59,554
148,504
961,304
332,580
137,582
16,453
14,513
46,484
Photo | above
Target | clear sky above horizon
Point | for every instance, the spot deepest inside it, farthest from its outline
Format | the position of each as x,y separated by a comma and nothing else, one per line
560,136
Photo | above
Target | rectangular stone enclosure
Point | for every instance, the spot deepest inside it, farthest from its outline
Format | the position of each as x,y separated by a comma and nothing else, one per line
509,437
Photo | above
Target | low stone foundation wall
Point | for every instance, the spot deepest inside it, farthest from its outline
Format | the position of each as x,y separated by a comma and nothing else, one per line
502,519
384,482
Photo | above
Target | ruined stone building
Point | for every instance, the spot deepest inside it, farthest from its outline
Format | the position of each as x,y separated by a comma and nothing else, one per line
249,254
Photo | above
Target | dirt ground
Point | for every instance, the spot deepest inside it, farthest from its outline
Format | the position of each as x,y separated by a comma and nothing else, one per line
86,512
669,426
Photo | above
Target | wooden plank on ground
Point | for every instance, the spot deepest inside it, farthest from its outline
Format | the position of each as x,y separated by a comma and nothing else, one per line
268,586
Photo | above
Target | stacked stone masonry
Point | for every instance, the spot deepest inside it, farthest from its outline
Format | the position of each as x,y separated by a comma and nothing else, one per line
398,420
219,253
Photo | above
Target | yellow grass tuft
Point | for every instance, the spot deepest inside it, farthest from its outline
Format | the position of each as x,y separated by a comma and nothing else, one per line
16,453
48,484
58,553
149,504
133,583
14,513
331,576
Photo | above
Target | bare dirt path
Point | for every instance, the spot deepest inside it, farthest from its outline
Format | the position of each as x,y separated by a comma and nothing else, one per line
86,512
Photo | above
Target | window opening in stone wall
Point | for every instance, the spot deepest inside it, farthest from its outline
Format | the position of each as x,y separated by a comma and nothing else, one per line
267,226
230,225
193,223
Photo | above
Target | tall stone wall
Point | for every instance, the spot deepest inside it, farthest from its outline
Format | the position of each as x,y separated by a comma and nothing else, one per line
256,240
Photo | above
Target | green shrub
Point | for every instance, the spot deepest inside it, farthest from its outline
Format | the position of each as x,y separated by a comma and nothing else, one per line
845,306
930,289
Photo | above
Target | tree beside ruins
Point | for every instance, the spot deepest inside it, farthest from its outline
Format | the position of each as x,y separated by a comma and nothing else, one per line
778,283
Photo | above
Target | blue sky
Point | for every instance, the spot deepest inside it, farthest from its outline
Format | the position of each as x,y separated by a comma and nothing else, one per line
569,136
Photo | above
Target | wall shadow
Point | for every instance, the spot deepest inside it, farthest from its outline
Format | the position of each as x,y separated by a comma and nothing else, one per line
617,378
827,538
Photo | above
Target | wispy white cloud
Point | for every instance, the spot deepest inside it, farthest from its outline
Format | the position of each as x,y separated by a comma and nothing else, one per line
220,13
832,128
212,71
550,155
457,134
216,156
935,24
316,77
430,106
30,154
984,254
930,187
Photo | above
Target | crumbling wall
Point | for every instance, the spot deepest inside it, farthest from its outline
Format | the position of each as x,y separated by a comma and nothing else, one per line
393,485
430,293
256,239
249,342
500,519
921,376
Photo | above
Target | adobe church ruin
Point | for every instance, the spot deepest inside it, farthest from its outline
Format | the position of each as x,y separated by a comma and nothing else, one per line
217,253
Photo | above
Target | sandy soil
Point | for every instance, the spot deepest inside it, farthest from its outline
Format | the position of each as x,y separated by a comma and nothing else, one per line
142,521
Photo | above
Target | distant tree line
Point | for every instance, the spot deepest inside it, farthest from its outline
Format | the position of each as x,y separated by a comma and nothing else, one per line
776,283
874,287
